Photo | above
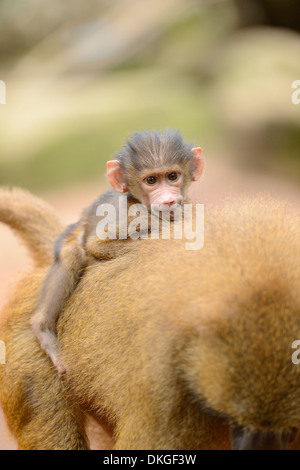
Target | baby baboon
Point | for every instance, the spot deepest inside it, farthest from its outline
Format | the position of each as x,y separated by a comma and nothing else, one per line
178,348
152,168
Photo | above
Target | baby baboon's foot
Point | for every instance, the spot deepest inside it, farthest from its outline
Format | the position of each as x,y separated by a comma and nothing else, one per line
61,369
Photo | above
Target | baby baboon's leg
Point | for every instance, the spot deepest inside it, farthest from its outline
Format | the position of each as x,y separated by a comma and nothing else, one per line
58,286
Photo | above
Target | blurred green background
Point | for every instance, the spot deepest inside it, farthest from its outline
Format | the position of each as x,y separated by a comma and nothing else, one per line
81,76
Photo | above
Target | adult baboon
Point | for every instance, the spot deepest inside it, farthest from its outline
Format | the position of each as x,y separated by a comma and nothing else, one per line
181,347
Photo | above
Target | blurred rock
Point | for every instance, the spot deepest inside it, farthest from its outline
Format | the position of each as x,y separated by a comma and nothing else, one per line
282,13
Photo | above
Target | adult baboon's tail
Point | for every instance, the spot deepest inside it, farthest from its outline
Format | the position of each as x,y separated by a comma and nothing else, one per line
33,220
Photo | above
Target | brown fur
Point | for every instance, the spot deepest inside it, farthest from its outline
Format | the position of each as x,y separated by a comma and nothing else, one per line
33,220
178,346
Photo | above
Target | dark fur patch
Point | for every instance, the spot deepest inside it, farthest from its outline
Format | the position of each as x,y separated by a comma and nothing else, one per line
146,150
60,241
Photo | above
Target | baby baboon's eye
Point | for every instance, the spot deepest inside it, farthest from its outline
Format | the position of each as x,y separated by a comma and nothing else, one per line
151,180
173,176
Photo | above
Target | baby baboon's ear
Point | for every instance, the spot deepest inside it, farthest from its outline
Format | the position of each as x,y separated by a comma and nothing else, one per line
115,176
197,163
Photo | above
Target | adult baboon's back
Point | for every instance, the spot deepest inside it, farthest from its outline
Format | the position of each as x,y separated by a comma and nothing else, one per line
179,345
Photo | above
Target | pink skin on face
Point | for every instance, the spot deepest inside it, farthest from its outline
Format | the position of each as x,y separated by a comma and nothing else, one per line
159,189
